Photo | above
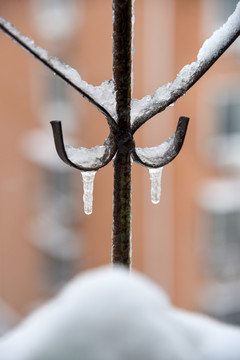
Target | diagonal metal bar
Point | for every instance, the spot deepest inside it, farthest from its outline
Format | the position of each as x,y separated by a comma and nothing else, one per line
53,64
212,49
158,156
97,157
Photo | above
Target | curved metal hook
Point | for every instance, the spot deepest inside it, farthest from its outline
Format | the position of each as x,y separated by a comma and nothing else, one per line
82,158
161,155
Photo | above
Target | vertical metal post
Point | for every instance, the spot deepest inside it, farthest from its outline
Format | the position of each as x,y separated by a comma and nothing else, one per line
122,64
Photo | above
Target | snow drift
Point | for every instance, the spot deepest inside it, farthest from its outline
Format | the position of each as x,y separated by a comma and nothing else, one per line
109,314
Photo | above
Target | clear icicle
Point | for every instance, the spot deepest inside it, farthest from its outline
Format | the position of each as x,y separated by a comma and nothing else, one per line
88,182
156,178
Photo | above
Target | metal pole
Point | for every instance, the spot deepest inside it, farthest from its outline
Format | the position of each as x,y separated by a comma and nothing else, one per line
122,64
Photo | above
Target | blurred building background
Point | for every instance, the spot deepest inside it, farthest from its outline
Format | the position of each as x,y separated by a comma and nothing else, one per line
190,242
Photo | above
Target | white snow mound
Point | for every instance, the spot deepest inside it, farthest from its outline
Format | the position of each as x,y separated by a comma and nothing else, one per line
107,314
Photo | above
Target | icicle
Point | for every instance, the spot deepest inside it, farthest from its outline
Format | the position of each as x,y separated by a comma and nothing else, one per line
88,181
155,177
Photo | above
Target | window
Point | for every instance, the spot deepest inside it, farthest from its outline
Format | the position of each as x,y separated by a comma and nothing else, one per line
8,317
223,145
56,19
215,14
58,271
226,8
219,239
228,113
220,232
55,222
222,302
57,102
224,243
54,228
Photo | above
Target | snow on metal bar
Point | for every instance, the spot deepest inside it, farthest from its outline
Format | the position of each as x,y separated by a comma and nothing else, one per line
212,49
102,96
92,157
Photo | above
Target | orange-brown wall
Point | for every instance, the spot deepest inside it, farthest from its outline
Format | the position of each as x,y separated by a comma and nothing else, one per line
167,36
